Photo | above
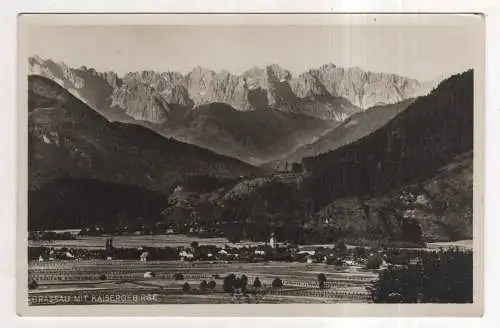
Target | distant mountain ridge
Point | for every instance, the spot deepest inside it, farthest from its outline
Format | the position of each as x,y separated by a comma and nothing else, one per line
68,139
411,178
426,136
351,129
252,136
328,92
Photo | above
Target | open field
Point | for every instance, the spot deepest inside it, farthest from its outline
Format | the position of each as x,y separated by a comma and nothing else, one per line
171,240
79,282
176,240
465,244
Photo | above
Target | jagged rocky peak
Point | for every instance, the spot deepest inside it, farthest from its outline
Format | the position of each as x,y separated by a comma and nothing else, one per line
150,78
139,96
147,95
308,85
173,77
328,66
177,94
276,73
255,78
142,102
362,88
207,86
112,79
200,76
315,92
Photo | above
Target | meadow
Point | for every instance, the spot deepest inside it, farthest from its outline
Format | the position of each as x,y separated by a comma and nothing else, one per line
126,278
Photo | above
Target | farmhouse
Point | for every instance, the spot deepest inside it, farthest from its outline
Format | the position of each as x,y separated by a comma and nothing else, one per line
185,255
259,252
311,253
144,256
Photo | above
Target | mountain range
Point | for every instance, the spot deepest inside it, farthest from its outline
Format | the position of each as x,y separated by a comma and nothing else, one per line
409,178
419,165
375,156
68,139
353,128
178,106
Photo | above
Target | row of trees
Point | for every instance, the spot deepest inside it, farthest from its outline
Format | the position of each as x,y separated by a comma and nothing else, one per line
50,235
234,284
443,277
231,284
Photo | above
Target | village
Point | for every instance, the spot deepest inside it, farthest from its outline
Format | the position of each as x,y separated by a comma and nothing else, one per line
177,268
272,250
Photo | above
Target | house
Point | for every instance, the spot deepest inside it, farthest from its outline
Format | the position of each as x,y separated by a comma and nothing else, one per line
311,253
350,262
416,260
148,274
260,252
184,255
144,256
40,259
309,260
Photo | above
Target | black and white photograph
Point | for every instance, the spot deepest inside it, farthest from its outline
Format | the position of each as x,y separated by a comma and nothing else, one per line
252,163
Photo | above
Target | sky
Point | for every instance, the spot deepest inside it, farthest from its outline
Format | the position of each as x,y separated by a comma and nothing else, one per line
423,52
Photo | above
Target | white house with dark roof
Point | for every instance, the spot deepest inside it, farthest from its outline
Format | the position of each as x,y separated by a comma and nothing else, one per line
144,256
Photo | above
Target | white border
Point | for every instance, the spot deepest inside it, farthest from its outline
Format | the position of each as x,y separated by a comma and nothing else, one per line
8,149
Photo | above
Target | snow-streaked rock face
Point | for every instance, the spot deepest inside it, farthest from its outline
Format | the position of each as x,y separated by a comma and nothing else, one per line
328,92
361,88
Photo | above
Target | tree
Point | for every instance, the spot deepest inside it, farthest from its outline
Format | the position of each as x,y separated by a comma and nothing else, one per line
243,283
332,260
194,245
203,286
374,262
360,252
186,288
229,283
178,276
234,237
32,284
340,247
212,284
277,283
444,277
322,280
297,167
257,283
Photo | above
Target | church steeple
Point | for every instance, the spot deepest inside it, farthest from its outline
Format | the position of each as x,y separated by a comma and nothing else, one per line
273,241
